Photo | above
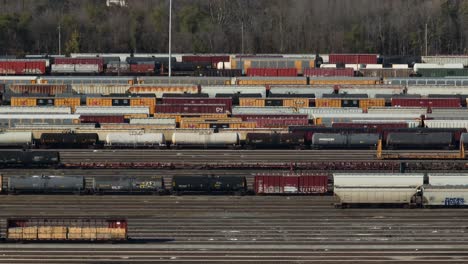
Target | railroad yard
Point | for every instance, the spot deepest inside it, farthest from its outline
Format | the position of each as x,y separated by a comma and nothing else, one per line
329,158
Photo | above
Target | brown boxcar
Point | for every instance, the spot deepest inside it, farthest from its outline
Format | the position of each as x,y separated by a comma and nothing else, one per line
290,184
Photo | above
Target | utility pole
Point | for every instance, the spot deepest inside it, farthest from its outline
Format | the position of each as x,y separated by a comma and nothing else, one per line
425,38
242,36
170,37
60,39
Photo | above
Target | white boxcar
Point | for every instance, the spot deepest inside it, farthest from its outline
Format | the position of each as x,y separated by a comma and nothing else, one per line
318,91
447,189
16,138
400,66
372,92
11,120
153,121
86,68
232,89
112,110
268,110
100,88
205,139
373,188
397,110
63,68
374,66
329,110
34,110
418,66
135,139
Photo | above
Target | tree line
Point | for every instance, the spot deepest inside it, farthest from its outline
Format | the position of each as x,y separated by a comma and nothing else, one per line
392,27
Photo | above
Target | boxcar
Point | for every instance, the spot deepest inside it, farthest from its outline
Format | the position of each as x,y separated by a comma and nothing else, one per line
209,184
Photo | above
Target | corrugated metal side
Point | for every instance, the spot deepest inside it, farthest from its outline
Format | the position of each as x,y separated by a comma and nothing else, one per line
352,180
427,102
102,119
290,184
186,108
103,89
172,100
38,89
326,72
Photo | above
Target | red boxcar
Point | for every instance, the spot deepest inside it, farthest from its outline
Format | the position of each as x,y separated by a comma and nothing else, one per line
251,117
97,61
22,67
353,58
427,102
272,72
290,184
190,108
211,59
276,121
327,72
142,68
198,101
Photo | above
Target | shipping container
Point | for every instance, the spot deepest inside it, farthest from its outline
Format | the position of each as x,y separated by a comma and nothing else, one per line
159,90
66,229
86,80
353,58
283,102
290,184
22,67
245,63
47,89
428,81
329,72
199,101
426,102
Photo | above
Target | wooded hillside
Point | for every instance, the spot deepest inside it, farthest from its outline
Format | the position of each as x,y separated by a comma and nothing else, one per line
215,26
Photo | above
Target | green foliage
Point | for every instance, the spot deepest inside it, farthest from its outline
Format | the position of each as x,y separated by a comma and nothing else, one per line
73,44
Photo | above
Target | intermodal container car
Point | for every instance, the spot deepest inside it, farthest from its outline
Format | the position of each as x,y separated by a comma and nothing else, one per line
81,61
159,90
285,102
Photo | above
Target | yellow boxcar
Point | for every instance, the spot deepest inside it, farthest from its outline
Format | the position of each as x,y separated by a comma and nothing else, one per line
296,102
99,101
23,101
259,102
72,102
144,101
326,102
365,103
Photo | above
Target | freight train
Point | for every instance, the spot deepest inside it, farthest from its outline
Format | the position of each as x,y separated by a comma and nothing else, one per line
298,137
352,189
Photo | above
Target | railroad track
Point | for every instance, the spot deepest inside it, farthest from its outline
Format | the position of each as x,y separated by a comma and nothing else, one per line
226,229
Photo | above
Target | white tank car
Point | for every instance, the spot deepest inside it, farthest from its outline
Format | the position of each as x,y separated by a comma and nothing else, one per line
16,138
203,139
135,139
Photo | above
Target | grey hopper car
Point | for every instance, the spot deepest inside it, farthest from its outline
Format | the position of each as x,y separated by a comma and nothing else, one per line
125,184
209,184
430,140
43,183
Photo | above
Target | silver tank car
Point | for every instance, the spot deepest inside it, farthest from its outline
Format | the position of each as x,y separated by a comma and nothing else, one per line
320,140
45,183
205,139
135,139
